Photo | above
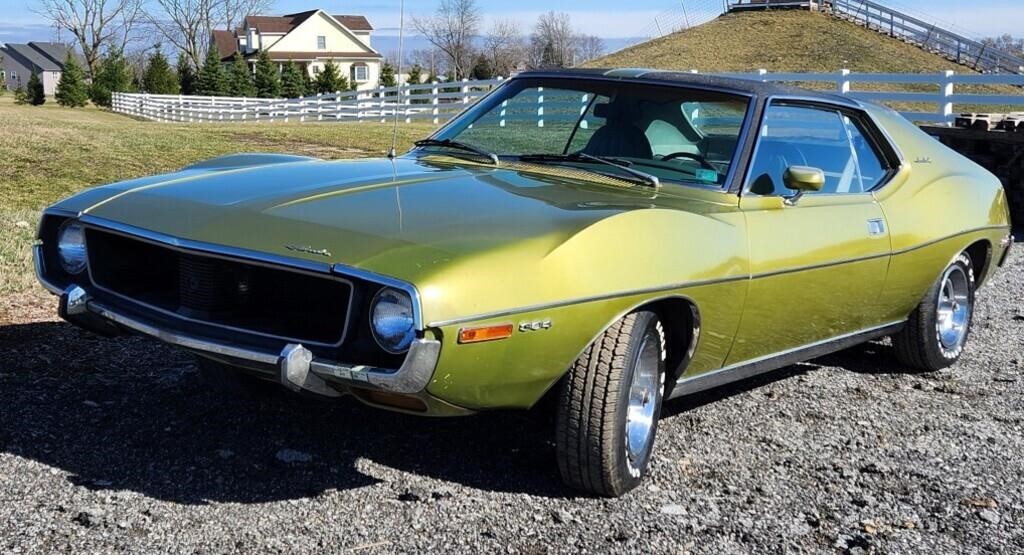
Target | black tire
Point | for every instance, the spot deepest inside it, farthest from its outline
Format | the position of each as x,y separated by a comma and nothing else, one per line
590,434
919,344
232,381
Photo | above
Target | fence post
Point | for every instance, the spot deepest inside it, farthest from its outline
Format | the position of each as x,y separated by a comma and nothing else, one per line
435,92
465,91
946,92
843,82
383,105
540,107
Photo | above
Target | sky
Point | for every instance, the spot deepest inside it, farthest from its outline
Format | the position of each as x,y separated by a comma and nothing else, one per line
610,19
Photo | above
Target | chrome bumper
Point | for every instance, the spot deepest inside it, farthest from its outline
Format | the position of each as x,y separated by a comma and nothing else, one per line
296,366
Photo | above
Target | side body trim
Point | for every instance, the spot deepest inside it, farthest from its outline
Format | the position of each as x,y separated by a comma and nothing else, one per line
695,283
751,368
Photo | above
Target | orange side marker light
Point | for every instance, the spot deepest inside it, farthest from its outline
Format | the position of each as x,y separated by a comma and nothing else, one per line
488,333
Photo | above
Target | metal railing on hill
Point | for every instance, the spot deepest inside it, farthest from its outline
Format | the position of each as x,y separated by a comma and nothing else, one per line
439,102
924,34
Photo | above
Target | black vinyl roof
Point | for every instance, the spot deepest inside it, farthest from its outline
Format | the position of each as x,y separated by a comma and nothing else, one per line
733,84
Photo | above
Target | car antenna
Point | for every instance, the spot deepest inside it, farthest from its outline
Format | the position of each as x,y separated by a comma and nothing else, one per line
393,151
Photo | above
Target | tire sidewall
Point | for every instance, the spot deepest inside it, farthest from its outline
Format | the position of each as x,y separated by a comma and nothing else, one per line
935,346
646,323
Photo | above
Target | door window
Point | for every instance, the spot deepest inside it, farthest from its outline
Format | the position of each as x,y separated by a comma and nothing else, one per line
821,138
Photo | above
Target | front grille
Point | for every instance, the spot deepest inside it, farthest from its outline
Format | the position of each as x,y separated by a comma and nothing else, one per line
221,292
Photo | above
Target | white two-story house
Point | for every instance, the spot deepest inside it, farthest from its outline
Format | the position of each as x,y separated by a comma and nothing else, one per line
309,39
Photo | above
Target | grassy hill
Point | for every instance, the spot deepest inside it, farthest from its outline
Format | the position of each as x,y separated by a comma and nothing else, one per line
789,40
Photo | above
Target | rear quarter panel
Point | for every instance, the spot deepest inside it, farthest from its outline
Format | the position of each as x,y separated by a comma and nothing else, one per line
938,205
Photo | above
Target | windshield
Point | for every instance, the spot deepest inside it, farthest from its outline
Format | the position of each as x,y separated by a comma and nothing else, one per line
672,133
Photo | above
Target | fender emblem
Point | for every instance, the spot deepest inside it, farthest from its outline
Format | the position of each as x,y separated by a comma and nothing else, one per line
308,250
535,326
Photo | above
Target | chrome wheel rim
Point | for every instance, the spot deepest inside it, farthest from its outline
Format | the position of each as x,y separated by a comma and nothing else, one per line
644,393
954,308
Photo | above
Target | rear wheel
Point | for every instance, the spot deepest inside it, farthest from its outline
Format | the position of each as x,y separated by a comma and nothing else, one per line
609,405
938,329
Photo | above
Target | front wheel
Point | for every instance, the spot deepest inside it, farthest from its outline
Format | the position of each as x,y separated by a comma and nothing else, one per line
937,330
609,405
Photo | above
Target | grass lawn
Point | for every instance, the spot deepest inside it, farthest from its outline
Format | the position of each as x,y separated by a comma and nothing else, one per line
48,152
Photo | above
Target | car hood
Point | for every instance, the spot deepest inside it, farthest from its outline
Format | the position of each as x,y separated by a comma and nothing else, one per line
437,222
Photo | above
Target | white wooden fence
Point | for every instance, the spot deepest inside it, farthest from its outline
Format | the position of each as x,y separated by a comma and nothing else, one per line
438,102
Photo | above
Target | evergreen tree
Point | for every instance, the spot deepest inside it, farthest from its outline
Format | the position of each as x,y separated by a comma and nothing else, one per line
187,79
330,80
240,81
432,77
20,96
36,93
482,68
112,75
212,79
387,75
71,90
415,75
268,82
158,77
293,83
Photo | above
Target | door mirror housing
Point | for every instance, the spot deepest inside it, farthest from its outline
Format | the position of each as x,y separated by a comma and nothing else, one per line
802,179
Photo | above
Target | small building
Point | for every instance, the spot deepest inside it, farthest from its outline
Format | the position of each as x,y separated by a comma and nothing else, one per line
309,39
21,60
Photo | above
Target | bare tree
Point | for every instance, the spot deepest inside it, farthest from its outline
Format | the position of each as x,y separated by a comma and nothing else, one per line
95,24
1008,43
588,47
188,24
451,29
553,42
505,47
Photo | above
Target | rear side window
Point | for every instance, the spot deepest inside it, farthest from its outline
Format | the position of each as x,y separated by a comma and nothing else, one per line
817,137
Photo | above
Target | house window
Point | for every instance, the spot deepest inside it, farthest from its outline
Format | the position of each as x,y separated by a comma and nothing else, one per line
360,73
14,75
321,42
316,70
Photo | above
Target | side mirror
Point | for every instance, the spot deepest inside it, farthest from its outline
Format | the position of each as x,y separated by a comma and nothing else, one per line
802,179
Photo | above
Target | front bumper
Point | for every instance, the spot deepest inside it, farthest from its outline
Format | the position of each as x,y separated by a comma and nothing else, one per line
295,366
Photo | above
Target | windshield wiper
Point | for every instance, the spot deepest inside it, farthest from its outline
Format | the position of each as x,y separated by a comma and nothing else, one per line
624,165
460,146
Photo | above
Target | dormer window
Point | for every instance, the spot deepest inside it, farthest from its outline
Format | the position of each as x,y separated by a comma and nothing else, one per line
321,42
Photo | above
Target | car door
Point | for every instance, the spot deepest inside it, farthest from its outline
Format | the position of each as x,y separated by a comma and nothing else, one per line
818,262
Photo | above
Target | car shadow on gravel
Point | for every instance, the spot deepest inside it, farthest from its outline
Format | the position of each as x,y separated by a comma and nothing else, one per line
132,414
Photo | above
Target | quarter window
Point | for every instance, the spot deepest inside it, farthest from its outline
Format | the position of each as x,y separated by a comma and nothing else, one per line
821,138
321,42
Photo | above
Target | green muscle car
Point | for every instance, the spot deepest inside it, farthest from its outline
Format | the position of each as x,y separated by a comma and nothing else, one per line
605,239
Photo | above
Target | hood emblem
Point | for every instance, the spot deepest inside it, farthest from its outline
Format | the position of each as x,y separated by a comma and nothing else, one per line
308,250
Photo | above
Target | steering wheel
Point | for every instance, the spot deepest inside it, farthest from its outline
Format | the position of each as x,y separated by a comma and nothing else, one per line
692,156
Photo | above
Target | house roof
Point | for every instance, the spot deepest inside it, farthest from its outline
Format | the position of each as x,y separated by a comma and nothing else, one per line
354,22
225,42
39,56
283,24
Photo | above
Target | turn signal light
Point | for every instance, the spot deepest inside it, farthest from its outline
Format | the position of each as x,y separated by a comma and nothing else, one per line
489,333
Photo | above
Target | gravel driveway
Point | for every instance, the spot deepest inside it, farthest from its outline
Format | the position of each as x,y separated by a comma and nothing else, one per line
114,445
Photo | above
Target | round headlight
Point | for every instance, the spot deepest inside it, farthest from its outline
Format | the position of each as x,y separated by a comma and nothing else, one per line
392,321
71,247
